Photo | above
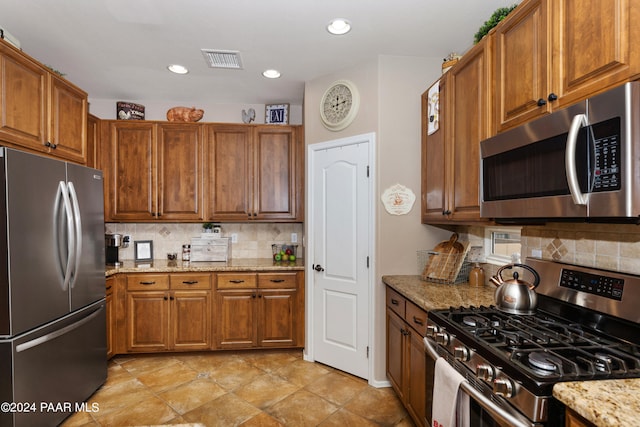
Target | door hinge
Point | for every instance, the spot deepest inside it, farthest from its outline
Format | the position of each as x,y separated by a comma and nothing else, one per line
367,261
367,352
367,171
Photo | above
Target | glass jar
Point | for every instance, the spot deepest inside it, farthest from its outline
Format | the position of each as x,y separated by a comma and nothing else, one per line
186,252
476,276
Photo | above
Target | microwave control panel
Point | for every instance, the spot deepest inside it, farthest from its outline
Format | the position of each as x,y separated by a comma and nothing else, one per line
607,174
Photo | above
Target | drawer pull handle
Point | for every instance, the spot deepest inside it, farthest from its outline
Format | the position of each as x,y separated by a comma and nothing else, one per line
277,280
395,301
109,287
190,282
148,283
237,281
418,321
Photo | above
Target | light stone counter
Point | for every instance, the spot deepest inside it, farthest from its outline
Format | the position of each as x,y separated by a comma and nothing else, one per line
606,403
165,266
433,296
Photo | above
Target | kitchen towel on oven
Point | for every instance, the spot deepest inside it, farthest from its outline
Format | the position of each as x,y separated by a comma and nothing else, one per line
450,404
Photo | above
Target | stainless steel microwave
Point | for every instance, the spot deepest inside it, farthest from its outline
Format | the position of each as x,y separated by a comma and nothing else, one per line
578,163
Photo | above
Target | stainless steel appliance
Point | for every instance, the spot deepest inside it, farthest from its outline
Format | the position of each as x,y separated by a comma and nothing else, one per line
113,243
52,288
582,162
586,327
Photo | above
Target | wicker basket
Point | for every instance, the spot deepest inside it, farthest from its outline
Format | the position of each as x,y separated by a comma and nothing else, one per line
456,271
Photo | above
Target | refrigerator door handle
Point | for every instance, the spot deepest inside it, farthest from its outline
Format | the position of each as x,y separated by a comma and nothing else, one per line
53,335
62,188
77,231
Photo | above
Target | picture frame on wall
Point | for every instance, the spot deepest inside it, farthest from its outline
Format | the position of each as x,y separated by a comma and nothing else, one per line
276,114
143,250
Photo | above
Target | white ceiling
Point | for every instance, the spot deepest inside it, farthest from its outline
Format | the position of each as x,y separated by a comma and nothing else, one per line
119,49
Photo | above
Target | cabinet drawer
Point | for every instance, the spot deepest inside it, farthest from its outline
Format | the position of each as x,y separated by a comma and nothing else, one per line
147,282
236,281
416,317
277,280
190,281
396,302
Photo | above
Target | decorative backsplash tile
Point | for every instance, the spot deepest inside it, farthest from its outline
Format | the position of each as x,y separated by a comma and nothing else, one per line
254,240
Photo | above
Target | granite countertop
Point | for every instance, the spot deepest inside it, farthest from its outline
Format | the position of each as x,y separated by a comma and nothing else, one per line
166,266
606,403
433,296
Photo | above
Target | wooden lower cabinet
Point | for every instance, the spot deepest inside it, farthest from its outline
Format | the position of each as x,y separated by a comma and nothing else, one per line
168,312
573,419
111,315
259,310
157,312
406,359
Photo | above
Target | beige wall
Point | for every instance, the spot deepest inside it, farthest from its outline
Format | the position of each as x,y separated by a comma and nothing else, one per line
390,107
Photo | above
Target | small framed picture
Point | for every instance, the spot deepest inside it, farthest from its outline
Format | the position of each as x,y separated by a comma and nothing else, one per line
276,114
143,250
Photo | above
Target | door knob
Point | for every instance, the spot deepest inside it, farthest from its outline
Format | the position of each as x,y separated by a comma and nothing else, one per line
318,267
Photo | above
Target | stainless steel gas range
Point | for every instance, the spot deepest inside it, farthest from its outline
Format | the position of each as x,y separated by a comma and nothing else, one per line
586,327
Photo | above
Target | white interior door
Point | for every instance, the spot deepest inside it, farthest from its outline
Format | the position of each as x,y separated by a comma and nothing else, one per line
340,275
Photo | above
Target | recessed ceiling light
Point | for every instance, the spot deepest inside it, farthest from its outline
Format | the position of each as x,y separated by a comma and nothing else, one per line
271,74
339,26
178,69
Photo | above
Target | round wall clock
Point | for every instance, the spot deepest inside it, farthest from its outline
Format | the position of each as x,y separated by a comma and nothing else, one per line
339,105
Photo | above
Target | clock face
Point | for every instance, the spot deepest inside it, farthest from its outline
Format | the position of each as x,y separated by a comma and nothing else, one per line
339,105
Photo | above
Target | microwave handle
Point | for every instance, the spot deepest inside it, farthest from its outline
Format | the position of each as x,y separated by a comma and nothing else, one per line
579,120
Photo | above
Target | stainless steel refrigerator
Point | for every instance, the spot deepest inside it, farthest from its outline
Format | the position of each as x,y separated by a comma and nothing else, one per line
52,288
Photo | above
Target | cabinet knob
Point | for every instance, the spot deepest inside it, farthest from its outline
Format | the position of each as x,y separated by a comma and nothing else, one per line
50,145
446,212
552,97
541,102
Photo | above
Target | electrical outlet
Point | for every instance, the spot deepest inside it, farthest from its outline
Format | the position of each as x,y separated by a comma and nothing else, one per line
294,237
234,238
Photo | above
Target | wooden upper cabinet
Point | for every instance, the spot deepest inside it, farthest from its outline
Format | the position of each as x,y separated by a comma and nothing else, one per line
180,175
153,171
451,155
130,172
277,183
253,173
68,121
40,111
228,161
553,53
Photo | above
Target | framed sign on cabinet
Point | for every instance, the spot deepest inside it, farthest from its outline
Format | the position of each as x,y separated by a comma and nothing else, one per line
276,114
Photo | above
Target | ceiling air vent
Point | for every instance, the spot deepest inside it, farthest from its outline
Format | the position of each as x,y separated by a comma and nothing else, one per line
216,58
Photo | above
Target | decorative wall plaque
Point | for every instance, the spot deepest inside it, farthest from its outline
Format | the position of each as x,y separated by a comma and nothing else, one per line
398,199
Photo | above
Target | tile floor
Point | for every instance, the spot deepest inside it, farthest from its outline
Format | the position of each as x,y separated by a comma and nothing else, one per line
257,388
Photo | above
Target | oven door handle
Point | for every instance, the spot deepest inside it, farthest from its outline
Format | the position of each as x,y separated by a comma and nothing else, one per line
512,418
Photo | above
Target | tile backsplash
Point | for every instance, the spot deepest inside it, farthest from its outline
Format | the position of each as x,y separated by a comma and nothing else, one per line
254,240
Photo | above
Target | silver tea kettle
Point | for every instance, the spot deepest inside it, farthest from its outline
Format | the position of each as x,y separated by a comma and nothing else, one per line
516,296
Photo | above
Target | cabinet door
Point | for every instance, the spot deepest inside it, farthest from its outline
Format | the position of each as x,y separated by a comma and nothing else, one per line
111,316
277,185
470,112
236,319
417,399
191,320
132,172
93,142
396,353
180,172
276,318
594,46
147,321
433,159
23,106
522,66
68,121
228,163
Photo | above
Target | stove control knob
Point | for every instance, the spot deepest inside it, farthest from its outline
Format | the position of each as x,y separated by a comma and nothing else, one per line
503,387
443,338
485,372
432,330
461,353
